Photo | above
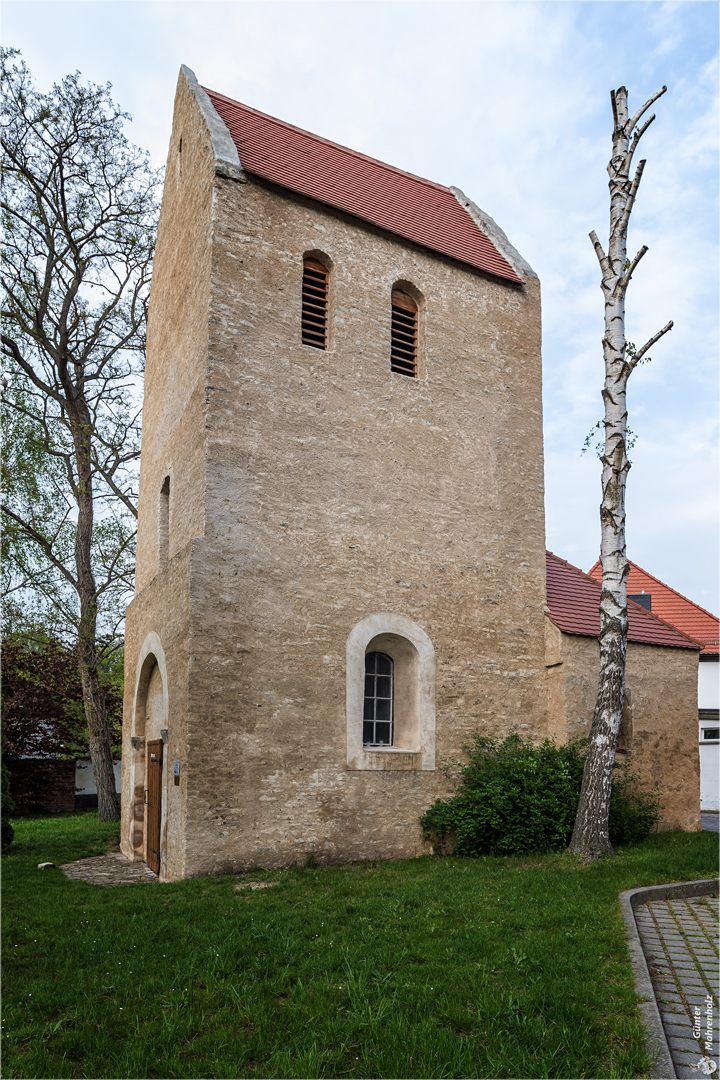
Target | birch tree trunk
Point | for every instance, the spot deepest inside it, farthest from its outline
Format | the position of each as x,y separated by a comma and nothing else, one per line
590,836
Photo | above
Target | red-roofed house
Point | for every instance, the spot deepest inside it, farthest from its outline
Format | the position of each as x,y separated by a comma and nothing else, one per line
691,619
658,730
340,564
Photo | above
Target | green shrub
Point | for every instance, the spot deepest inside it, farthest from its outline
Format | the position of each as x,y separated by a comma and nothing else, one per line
516,797
633,813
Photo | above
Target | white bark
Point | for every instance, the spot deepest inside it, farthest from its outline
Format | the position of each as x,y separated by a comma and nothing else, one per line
590,836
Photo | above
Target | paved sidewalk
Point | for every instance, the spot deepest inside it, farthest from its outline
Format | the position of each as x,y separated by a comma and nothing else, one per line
680,942
113,869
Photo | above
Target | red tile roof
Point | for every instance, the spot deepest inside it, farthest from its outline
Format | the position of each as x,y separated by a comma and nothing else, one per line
403,204
671,606
573,600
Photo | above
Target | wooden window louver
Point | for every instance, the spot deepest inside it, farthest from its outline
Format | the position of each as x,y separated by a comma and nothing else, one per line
314,304
403,336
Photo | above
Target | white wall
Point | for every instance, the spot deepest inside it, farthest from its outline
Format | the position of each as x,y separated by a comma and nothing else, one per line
85,781
709,698
708,685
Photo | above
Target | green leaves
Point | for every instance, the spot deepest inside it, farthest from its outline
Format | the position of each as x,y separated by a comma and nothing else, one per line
516,797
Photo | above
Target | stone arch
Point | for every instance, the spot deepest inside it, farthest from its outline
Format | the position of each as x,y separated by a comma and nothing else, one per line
151,696
403,285
413,655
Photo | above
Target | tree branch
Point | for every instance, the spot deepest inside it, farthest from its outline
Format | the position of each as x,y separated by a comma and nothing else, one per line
646,106
622,222
41,542
648,345
623,282
602,257
636,139
12,350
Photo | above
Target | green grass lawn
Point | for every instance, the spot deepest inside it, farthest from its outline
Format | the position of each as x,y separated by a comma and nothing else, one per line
495,967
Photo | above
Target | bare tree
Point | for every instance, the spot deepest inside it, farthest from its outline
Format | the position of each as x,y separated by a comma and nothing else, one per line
79,211
590,836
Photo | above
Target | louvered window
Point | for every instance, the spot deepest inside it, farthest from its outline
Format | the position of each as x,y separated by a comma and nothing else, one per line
314,304
403,338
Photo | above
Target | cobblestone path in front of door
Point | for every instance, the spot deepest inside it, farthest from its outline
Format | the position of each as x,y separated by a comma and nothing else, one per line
113,869
680,942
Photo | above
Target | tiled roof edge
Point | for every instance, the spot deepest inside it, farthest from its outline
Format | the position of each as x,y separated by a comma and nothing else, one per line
663,622
326,142
227,161
495,235
572,633
668,587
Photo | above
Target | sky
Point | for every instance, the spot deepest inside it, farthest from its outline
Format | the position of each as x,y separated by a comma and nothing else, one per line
509,101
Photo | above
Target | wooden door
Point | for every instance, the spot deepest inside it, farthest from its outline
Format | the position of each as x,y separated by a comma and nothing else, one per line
153,800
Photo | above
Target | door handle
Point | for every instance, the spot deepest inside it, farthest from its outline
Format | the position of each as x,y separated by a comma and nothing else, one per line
145,798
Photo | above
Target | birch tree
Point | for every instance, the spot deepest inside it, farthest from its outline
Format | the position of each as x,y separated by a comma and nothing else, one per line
590,835
79,212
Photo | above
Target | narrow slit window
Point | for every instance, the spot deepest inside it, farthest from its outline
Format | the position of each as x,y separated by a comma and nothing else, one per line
378,708
314,304
164,524
404,334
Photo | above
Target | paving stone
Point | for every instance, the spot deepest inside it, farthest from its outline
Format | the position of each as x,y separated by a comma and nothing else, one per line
679,1017
678,1031
691,1046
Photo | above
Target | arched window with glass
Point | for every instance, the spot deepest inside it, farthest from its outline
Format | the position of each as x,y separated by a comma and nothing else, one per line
378,708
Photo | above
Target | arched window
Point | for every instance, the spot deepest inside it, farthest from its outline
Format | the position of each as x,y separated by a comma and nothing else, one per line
390,694
378,706
403,334
314,304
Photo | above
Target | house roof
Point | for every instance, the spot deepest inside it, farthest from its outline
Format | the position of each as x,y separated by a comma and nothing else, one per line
416,209
573,600
671,606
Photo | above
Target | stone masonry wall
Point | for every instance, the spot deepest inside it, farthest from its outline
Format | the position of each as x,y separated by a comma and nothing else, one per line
162,609
173,436
335,489
663,705
173,444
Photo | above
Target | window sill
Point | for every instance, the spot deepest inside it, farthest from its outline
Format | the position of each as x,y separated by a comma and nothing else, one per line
390,758
387,750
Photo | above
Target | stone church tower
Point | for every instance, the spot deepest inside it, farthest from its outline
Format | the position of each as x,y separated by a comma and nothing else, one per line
341,564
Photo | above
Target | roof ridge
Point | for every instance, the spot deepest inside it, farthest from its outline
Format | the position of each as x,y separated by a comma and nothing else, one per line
330,142
638,607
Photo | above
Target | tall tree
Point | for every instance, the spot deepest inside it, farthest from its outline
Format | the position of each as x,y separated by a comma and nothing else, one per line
590,835
79,212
